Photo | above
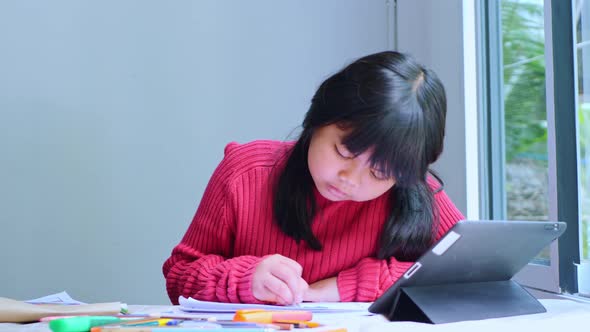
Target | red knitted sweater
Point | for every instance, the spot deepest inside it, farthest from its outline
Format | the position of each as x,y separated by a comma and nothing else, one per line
233,229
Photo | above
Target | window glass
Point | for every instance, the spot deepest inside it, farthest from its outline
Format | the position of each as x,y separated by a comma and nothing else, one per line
582,24
525,115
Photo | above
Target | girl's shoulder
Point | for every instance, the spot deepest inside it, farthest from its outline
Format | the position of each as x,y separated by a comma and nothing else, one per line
260,154
258,148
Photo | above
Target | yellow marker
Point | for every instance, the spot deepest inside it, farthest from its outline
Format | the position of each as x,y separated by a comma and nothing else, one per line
154,322
299,324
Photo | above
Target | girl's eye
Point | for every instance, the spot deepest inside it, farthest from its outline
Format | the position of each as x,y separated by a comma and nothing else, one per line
342,151
379,175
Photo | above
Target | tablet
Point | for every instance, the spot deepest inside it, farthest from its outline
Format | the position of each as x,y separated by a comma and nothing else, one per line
475,251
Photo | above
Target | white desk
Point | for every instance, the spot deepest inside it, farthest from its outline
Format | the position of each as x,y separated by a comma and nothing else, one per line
561,314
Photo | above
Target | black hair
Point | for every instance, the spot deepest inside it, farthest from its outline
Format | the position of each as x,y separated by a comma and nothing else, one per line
389,103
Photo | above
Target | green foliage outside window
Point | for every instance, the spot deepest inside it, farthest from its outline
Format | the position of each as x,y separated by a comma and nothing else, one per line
524,80
525,117
525,114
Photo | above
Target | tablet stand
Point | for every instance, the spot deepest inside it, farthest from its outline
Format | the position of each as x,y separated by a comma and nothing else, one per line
458,302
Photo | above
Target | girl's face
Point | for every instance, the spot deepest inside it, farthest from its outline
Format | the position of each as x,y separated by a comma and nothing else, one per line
338,174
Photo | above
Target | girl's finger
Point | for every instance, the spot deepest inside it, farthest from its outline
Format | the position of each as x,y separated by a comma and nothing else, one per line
296,267
290,280
303,287
278,289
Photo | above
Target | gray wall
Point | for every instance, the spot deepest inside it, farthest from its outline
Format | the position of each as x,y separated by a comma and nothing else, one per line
113,115
432,31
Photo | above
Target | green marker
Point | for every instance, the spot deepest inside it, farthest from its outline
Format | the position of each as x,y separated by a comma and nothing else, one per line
81,324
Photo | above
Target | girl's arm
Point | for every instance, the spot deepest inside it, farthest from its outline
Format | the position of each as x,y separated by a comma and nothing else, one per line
200,265
371,277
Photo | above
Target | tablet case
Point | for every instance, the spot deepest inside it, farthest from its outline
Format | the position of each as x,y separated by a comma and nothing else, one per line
458,302
467,274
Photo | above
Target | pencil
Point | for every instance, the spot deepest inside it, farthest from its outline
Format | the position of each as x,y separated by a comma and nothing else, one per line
171,316
182,329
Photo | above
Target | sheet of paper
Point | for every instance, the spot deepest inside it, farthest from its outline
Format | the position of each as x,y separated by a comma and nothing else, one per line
192,305
57,298
13,311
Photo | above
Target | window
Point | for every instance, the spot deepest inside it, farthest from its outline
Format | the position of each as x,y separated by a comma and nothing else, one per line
536,126
582,53
525,115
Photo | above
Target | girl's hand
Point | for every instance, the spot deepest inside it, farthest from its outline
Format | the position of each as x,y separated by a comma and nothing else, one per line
323,291
278,279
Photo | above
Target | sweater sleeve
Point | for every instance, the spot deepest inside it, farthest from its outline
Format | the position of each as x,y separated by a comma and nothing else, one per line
371,277
201,265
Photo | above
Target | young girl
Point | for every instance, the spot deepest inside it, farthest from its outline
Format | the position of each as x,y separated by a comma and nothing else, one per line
338,215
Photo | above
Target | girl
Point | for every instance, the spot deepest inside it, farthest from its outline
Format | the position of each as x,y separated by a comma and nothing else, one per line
338,215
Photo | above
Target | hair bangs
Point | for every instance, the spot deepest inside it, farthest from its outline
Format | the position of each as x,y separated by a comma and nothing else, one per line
397,144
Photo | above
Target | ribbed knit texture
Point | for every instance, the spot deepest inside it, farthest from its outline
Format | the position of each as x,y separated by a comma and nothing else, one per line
233,229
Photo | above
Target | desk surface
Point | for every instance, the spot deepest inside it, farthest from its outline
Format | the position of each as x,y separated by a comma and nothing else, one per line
560,314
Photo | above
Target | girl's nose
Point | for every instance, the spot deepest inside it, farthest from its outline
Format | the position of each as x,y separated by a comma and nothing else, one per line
351,176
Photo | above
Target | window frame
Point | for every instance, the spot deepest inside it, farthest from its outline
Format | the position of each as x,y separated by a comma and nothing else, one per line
563,135
561,93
